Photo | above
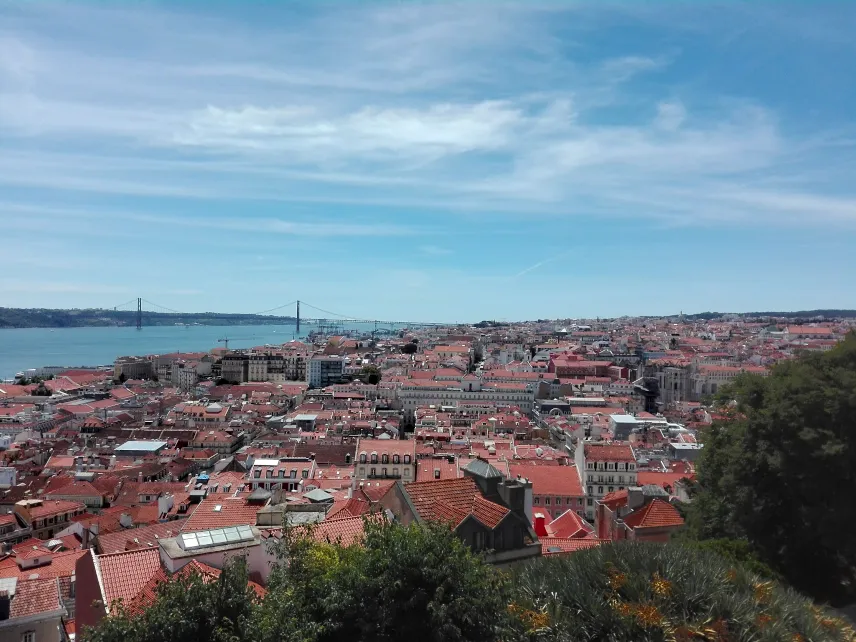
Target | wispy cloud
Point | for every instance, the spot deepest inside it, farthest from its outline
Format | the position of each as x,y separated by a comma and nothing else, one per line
434,250
542,263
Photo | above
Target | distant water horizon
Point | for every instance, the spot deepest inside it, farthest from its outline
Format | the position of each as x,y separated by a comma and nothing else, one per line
25,348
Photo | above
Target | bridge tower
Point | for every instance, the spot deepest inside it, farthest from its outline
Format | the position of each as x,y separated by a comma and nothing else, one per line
139,314
298,317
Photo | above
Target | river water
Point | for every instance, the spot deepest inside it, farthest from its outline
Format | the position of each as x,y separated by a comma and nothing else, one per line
37,347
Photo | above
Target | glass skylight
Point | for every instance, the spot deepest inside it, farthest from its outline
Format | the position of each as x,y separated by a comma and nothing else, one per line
217,537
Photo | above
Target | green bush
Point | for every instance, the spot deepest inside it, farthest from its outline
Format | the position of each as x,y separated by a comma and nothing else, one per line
638,592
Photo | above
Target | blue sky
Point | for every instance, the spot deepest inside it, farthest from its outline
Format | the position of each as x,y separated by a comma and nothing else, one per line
429,161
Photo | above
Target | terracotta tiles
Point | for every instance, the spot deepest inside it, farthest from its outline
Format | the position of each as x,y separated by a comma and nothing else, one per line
556,546
35,596
232,511
655,514
452,500
61,564
135,538
609,452
123,575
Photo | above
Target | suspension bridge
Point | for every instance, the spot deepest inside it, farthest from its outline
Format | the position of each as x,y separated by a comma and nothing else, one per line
328,324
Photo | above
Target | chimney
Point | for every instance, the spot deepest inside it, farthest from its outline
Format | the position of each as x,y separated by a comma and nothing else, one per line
635,497
140,476
540,526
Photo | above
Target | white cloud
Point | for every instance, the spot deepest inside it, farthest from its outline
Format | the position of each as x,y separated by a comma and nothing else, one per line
670,116
435,106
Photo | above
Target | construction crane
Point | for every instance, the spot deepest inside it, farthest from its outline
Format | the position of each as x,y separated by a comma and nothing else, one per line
224,340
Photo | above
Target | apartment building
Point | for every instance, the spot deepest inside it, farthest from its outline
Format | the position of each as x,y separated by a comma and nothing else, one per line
235,367
604,468
325,370
132,368
420,392
385,459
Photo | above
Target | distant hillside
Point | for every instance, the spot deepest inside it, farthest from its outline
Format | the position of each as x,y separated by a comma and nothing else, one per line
47,318
800,314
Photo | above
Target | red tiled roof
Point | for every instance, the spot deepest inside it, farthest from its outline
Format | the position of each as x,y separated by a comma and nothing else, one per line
660,479
61,565
35,596
233,511
76,489
609,452
135,538
54,507
123,575
557,546
569,525
615,499
550,480
655,514
453,500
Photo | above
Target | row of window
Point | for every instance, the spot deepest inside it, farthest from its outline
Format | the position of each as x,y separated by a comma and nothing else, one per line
610,466
600,489
384,459
609,478
281,473
557,501
384,472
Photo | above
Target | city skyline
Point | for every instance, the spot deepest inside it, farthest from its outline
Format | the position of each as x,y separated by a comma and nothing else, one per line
430,161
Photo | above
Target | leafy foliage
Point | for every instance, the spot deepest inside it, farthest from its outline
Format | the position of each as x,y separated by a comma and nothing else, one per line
779,472
189,607
370,375
409,348
638,592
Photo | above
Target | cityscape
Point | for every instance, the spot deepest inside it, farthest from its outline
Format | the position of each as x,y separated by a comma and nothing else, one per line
570,434
427,321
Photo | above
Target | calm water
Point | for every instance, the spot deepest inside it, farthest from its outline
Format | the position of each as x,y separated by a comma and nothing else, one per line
37,347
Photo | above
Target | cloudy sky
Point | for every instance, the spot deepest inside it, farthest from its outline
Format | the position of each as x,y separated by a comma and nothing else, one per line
429,161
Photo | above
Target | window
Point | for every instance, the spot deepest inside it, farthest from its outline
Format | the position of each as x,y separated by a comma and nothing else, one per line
281,472
558,501
546,501
373,472
396,458
600,490
292,473
395,472
611,488
478,541
362,458
383,472
589,501
407,472
268,473
407,459
537,501
384,458
621,479
611,479
305,473
590,491
362,471
29,636
374,458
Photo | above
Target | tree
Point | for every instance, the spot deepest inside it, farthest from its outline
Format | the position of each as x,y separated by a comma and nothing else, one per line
190,606
123,377
409,348
778,472
370,374
416,583
638,592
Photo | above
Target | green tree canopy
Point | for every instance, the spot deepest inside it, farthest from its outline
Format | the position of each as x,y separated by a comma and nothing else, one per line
780,472
189,607
370,374
409,348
